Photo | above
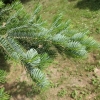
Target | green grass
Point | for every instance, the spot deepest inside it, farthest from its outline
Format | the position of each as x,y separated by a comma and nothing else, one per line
81,19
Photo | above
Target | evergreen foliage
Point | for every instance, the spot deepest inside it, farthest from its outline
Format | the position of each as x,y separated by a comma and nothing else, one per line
4,95
2,76
1,4
19,25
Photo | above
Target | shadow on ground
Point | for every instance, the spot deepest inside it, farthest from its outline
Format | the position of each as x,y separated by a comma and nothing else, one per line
3,63
21,90
92,5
